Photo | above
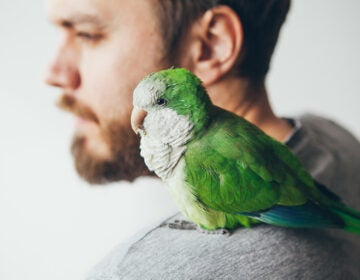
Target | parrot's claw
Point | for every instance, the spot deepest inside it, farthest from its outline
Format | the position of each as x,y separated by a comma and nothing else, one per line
181,224
220,231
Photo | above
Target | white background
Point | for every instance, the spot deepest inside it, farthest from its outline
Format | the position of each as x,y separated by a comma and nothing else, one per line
53,225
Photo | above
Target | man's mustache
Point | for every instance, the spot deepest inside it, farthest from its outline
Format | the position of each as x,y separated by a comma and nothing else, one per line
70,104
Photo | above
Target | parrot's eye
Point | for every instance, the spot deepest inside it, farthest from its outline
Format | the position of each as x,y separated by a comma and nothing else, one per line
161,101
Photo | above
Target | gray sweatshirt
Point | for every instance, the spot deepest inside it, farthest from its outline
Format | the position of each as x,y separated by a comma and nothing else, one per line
331,154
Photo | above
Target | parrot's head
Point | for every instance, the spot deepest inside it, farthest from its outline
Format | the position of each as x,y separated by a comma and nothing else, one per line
167,94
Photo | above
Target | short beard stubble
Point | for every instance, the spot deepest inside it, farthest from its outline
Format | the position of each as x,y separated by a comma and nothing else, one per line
125,162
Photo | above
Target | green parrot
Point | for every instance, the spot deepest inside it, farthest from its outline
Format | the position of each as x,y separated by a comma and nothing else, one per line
222,171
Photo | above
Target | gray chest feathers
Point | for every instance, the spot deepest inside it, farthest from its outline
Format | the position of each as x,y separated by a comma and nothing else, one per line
163,140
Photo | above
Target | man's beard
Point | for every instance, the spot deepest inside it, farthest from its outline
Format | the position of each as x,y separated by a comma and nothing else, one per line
125,162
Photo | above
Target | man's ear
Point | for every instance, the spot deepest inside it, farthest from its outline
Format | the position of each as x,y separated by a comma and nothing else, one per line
212,46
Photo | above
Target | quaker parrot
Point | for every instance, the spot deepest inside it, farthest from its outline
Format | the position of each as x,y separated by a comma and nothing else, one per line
221,170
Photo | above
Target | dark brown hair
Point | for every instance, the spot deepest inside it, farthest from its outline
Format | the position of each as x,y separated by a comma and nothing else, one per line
261,21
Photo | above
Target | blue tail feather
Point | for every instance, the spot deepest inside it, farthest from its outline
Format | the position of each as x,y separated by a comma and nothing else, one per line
309,215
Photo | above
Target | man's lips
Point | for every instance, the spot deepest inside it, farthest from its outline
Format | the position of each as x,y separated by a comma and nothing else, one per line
70,104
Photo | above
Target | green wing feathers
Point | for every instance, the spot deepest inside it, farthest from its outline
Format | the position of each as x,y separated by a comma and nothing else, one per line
243,167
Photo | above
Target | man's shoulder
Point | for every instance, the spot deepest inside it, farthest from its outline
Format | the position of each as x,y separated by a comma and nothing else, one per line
319,131
325,127
260,252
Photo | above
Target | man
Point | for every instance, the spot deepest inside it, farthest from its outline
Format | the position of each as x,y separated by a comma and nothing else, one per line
107,47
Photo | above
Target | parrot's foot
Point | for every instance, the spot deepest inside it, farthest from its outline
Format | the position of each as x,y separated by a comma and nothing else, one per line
186,225
220,231
181,224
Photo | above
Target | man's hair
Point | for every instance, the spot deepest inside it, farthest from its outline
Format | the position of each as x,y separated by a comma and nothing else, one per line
261,21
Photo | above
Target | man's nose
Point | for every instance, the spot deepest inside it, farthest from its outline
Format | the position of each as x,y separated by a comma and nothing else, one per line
63,70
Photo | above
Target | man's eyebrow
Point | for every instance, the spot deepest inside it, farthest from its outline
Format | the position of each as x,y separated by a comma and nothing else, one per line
78,19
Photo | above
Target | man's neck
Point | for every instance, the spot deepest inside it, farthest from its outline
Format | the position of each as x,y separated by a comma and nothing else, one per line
251,103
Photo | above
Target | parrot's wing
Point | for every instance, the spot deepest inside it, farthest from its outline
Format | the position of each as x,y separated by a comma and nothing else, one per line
234,168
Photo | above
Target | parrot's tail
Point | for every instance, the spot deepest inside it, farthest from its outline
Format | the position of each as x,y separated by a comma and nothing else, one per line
350,217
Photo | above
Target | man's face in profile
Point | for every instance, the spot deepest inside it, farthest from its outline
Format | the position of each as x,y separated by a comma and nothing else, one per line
105,49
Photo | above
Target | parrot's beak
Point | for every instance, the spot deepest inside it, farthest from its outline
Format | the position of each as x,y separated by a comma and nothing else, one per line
137,118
